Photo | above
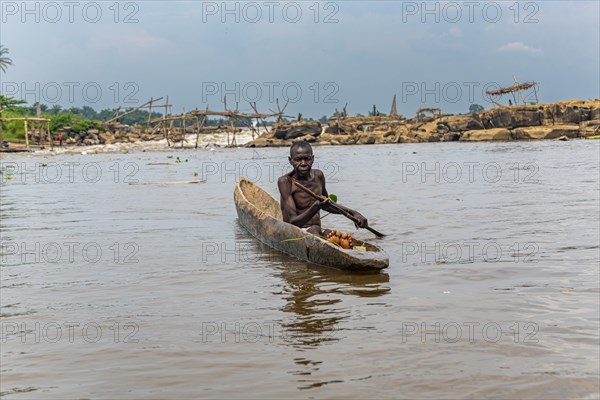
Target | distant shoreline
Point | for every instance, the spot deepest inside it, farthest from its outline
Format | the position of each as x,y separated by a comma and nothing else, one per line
565,120
571,119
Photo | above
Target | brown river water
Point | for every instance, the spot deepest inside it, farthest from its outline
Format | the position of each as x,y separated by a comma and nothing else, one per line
119,290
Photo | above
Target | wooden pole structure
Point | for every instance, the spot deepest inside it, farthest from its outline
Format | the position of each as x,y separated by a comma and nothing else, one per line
131,110
253,105
199,127
38,113
50,139
233,142
149,111
231,117
29,125
520,94
227,137
182,131
165,120
169,133
26,133
116,116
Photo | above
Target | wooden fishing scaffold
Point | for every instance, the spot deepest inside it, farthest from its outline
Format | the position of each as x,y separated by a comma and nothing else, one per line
35,125
199,118
435,112
149,104
516,88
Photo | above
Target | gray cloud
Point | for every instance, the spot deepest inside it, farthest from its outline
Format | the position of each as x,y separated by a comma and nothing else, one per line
367,53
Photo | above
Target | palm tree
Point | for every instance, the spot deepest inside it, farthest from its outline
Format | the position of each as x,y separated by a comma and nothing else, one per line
4,61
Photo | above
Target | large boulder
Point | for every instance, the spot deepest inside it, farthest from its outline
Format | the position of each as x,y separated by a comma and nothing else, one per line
462,123
106,138
336,139
267,141
486,135
380,137
565,113
283,133
526,116
132,138
308,138
344,128
407,139
293,130
332,129
367,138
496,118
451,137
589,128
546,132
511,117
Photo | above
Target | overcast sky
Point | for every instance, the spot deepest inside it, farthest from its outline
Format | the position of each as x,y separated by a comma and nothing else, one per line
320,55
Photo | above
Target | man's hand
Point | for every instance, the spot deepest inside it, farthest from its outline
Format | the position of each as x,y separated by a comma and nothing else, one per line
324,201
362,221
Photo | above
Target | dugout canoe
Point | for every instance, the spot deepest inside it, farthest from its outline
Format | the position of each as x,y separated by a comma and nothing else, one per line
260,214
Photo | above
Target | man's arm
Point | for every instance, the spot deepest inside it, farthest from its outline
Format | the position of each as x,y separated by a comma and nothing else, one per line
362,221
288,206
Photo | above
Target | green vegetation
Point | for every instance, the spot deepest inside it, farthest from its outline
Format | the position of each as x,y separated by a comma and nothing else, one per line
83,118
475,108
13,131
4,60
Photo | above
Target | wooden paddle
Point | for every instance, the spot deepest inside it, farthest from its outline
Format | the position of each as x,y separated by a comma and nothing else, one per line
335,206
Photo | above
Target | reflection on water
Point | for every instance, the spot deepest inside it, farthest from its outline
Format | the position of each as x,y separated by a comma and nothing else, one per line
322,333
312,293
312,296
314,304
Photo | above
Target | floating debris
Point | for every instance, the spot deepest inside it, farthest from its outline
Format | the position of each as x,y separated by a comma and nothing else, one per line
168,182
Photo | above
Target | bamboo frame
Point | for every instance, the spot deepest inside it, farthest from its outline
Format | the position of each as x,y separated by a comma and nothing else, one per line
26,121
518,88
231,115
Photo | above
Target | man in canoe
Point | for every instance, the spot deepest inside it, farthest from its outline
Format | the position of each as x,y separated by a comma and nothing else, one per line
299,208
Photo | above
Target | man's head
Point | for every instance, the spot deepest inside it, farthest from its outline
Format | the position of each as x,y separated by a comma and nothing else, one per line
301,157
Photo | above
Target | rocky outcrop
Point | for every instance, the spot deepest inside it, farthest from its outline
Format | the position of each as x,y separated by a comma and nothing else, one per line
565,119
283,133
486,135
115,133
294,130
